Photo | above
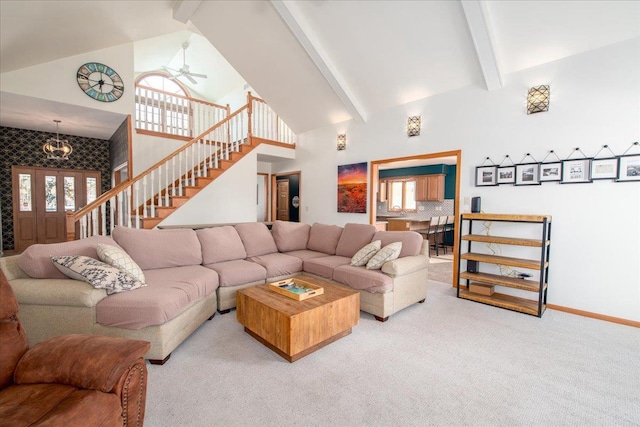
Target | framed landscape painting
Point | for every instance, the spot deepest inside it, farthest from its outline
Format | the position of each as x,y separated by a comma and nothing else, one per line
550,172
486,175
528,174
629,168
506,174
352,188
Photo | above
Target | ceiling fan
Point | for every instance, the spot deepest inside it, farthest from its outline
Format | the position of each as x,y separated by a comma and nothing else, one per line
184,71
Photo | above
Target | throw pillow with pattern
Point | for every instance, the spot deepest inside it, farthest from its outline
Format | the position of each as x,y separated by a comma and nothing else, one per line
389,252
366,253
120,259
96,273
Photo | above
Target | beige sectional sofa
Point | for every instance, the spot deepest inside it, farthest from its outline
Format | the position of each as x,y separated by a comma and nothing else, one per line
192,273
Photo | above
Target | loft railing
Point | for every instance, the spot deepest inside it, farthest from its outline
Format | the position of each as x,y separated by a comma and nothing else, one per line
165,112
129,203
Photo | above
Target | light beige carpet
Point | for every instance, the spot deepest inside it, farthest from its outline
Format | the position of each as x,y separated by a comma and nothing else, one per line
447,362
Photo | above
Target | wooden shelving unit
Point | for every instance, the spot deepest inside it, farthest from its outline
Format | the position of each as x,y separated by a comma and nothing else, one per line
540,264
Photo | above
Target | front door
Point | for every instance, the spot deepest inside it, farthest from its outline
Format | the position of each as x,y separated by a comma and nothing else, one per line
42,196
283,200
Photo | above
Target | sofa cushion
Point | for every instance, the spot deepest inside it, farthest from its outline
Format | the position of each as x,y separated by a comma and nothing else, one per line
387,253
96,273
323,266
278,264
411,241
238,272
256,238
36,259
306,254
118,258
366,253
353,238
220,244
160,248
363,279
169,291
324,238
290,236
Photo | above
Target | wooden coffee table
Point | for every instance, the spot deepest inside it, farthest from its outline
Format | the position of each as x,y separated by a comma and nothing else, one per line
294,329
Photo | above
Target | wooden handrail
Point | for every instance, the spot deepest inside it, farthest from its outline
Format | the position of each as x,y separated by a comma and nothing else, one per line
200,101
109,194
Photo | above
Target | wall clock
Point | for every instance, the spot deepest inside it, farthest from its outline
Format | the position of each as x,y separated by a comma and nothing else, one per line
100,82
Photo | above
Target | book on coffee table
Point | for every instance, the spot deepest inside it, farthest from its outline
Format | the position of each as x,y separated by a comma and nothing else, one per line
296,289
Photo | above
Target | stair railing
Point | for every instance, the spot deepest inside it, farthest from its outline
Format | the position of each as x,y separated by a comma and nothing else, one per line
165,112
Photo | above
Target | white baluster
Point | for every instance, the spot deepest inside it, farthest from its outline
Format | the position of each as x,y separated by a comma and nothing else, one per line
103,218
136,202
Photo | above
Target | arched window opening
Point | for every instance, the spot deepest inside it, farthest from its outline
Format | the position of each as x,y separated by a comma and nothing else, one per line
163,105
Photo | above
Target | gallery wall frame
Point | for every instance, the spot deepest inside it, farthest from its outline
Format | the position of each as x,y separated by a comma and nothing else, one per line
604,168
486,176
576,171
551,171
629,168
506,175
604,165
527,174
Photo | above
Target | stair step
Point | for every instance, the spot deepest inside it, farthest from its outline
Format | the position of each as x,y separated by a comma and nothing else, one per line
149,223
164,211
177,201
191,191
214,172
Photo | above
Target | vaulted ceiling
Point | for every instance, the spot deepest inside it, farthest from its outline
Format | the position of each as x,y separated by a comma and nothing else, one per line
320,62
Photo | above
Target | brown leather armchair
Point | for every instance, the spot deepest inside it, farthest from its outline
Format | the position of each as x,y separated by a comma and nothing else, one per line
69,380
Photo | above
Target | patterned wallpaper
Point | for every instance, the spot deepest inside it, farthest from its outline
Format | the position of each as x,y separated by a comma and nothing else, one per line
21,147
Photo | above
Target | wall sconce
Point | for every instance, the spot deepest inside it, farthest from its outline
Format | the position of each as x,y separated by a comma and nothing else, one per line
342,142
413,126
538,99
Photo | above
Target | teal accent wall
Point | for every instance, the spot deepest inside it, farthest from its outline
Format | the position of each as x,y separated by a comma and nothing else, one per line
448,170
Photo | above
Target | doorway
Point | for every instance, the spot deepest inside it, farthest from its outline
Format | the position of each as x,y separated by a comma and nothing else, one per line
407,162
285,196
43,196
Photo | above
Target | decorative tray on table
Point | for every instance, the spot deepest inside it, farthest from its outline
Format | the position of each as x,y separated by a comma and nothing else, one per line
296,289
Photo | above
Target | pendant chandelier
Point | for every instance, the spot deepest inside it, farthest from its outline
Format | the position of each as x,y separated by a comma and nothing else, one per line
57,149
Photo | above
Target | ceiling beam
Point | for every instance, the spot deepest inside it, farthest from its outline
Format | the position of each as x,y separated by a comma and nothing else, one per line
183,10
483,40
305,36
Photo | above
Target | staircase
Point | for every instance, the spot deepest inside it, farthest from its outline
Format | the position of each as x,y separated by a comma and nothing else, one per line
149,198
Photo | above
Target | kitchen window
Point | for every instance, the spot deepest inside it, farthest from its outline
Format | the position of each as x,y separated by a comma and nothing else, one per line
402,195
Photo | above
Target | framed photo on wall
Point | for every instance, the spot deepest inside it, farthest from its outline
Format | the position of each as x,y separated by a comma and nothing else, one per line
528,174
629,168
576,171
604,168
506,174
486,176
550,172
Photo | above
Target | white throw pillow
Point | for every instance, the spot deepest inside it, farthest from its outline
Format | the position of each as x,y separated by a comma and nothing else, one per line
96,273
366,253
120,259
389,252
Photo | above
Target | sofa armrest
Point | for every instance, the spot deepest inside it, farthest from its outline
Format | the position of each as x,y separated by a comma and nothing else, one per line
405,265
85,361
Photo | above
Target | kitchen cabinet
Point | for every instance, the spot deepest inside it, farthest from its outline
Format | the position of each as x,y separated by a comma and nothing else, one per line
430,188
407,224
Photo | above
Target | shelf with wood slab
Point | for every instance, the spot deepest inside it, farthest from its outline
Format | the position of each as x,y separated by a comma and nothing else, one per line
509,302
497,279
504,240
485,282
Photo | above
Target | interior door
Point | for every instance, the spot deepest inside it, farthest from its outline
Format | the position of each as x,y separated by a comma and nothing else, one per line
283,200
43,197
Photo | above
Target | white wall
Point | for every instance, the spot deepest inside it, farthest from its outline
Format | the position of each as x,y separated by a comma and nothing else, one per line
595,100
56,80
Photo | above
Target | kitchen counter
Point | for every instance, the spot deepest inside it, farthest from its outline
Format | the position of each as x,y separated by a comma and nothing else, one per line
406,223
